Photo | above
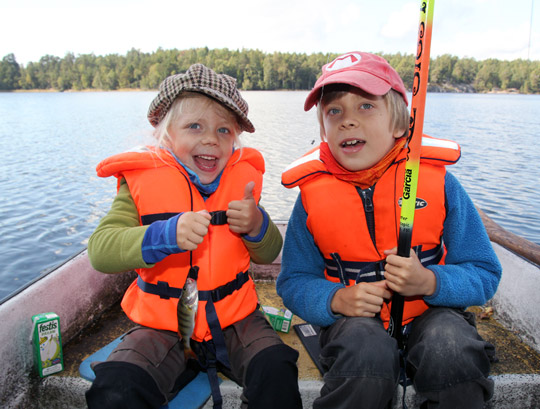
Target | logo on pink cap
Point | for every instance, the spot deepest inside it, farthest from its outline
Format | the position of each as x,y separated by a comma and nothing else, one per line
344,61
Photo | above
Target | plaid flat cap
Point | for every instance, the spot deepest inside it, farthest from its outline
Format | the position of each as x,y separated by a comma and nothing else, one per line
199,78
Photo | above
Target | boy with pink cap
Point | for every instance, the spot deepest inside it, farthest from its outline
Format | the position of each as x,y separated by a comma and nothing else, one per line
340,266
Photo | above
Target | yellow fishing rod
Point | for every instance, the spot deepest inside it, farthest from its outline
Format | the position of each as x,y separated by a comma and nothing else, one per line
414,144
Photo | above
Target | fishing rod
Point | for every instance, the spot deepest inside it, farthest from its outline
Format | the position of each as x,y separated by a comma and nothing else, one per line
414,144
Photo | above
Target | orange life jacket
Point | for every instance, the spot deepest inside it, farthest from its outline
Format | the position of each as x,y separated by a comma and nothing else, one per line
161,188
352,231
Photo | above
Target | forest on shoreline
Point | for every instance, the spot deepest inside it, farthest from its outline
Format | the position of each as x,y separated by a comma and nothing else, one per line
253,69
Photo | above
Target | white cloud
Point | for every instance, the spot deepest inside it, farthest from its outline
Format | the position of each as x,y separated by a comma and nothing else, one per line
402,22
476,28
502,43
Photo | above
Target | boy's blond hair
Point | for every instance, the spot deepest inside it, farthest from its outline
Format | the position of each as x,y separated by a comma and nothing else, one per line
399,114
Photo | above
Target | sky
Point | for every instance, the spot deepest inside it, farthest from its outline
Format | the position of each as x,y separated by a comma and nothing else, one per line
480,29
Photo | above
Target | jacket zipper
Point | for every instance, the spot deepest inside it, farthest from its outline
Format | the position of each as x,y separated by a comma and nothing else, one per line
367,200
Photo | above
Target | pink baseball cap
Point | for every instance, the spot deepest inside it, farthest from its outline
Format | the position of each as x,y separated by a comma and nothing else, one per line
366,71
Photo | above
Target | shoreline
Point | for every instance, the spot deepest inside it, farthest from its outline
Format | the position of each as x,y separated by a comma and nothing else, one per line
52,90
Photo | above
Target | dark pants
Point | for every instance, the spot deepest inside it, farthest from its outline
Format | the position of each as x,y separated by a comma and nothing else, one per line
446,359
148,368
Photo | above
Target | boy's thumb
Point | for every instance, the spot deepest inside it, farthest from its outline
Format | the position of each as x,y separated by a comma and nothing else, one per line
248,190
205,213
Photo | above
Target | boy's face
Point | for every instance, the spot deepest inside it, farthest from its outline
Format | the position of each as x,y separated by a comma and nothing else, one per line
203,137
357,129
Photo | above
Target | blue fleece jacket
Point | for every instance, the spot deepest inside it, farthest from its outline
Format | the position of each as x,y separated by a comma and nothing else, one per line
470,276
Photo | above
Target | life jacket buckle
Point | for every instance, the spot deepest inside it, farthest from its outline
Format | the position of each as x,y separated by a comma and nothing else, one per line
163,289
219,217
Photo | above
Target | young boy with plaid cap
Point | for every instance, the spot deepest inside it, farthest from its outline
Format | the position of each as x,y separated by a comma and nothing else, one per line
188,209
340,265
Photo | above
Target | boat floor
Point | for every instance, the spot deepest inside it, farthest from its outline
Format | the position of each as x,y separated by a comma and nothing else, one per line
514,355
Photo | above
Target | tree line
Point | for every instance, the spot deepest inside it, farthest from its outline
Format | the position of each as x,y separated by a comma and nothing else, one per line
254,70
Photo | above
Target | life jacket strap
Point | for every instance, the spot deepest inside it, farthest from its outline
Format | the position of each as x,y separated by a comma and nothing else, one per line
217,399
222,355
219,217
165,291
225,290
372,271
147,219
206,356
162,289
213,296
340,268
218,339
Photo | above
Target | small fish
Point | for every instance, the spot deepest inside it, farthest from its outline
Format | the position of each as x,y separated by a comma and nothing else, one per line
187,311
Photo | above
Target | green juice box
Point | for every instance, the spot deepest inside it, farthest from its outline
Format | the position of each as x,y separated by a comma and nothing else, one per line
47,343
279,319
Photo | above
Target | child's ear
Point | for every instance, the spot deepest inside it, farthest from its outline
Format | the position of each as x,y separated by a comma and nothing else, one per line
398,133
322,133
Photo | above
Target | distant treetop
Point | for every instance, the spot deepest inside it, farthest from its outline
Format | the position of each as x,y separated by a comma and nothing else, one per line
254,70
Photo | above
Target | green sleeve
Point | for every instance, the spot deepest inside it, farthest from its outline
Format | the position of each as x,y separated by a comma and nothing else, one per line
266,250
115,245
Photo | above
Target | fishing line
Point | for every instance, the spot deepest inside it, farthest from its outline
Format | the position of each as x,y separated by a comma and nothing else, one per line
322,88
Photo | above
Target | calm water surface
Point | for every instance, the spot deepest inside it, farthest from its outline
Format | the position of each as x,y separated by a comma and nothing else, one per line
51,200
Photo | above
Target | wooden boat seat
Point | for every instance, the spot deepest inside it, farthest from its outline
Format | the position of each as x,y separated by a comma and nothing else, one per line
193,396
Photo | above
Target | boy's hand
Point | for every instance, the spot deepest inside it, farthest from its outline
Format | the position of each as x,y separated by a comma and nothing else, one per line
361,300
243,215
407,276
191,229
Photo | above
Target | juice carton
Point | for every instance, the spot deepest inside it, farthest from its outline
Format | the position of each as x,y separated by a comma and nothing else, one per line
47,343
279,319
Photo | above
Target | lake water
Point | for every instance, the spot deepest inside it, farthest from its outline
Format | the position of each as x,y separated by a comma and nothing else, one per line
51,200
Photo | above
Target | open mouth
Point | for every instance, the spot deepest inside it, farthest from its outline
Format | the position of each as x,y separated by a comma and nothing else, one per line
352,143
206,162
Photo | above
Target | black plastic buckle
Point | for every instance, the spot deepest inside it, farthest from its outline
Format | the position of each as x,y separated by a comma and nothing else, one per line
219,217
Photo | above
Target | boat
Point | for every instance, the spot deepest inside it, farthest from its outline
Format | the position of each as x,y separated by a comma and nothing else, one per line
87,303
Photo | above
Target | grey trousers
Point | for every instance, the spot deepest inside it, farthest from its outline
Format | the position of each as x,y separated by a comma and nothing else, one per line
446,359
